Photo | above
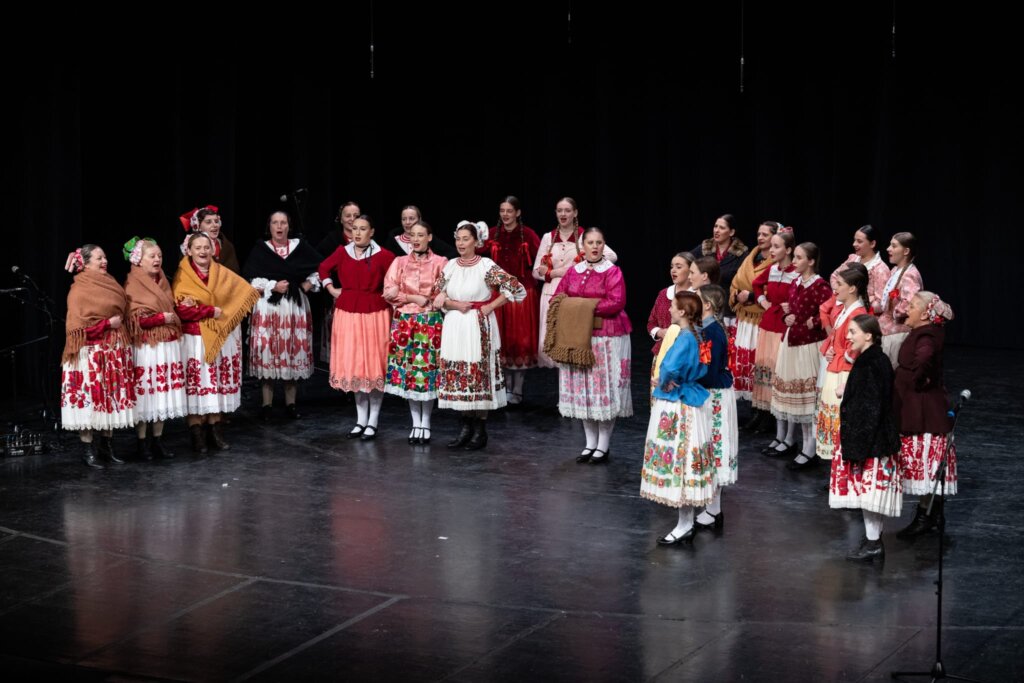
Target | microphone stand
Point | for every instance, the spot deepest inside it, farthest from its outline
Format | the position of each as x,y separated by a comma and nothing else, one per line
938,671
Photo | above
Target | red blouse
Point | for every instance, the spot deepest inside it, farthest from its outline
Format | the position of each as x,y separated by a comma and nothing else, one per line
361,280
773,284
805,303
513,251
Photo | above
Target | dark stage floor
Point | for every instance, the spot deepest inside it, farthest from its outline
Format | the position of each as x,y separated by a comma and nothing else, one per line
300,555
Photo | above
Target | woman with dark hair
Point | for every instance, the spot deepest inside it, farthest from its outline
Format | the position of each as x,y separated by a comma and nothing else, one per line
513,245
704,271
865,471
679,464
560,250
412,371
771,291
211,302
470,288
865,239
159,370
598,393
851,290
97,392
207,220
339,237
795,385
903,283
660,317
728,250
398,240
283,269
362,320
749,313
922,408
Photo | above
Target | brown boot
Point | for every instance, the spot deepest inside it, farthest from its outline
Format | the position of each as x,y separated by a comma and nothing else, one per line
198,438
215,437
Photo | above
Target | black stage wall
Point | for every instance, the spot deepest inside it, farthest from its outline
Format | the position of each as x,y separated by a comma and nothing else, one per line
636,113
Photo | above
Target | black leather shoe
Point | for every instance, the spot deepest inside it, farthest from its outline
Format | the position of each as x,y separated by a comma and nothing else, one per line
357,432
156,446
89,456
424,436
198,438
585,455
921,524
141,453
685,539
797,466
715,526
292,412
414,436
369,435
479,438
215,437
465,435
602,459
266,414
868,551
770,448
106,450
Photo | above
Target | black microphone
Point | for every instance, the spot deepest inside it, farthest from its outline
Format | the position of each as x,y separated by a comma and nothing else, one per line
21,275
301,190
965,396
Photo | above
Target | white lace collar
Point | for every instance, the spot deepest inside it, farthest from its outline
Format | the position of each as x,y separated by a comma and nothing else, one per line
601,266
809,282
670,293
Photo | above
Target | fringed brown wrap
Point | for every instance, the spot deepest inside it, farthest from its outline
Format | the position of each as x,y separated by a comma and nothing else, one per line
570,323
95,296
232,294
147,297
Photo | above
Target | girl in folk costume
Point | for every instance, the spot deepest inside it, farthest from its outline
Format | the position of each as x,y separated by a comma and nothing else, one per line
159,370
362,318
679,463
97,392
748,315
207,220
211,302
599,393
339,237
560,250
399,241
865,471
719,411
922,408
795,385
851,290
903,283
704,271
864,252
281,326
660,317
415,330
513,245
469,289
729,252
771,291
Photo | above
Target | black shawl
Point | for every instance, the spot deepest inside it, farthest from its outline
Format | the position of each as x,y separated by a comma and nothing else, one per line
867,423
264,262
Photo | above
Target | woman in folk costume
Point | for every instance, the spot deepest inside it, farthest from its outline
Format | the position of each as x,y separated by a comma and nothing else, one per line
729,251
211,302
599,392
281,327
559,251
660,317
679,462
338,237
865,241
513,245
469,289
399,242
795,385
719,410
903,283
97,391
865,471
771,290
207,220
850,291
159,369
748,319
362,318
412,371
922,408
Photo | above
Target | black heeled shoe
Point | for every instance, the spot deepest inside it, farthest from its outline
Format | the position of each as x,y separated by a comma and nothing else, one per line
585,455
715,526
366,435
671,539
106,450
464,435
356,432
414,436
266,414
602,459
424,436
292,412
89,456
158,450
479,439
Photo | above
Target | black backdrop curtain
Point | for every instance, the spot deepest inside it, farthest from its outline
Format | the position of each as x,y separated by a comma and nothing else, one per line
636,113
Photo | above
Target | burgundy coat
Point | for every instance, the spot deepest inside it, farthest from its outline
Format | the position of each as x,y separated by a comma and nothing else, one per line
919,397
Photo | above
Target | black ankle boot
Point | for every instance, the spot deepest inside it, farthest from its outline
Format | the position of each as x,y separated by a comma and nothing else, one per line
215,437
755,420
479,439
141,453
198,438
89,456
868,551
921,523
156,447
106,450
465,435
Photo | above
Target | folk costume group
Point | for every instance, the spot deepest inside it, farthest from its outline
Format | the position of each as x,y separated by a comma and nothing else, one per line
852,365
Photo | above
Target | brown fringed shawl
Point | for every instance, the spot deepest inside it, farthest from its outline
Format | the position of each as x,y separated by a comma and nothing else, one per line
95,296
570,323
148,297
232,294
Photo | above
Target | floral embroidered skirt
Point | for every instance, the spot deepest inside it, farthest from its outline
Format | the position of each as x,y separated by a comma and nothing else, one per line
412,355
600,392
517,324
873,485
920,456
795,385
679,463
764,368
159,382
470,375
281,340
213,387
359,350
719,413
827,420
98,389
746,348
